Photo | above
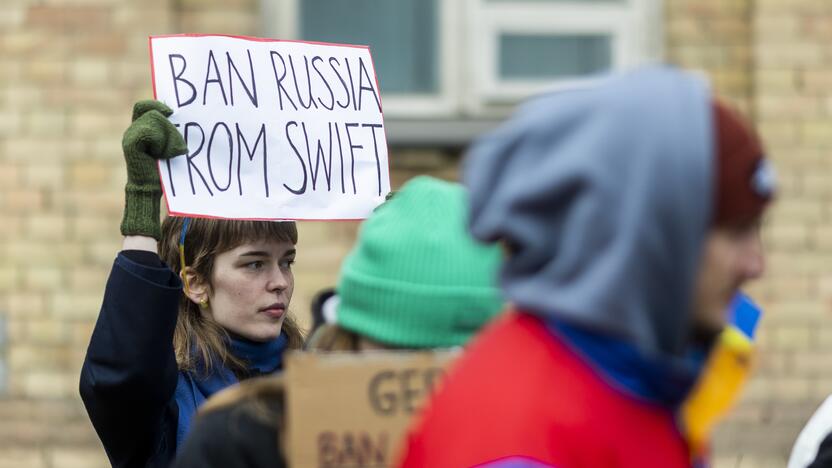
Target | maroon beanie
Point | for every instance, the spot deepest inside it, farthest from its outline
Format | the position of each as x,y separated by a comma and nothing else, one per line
744,179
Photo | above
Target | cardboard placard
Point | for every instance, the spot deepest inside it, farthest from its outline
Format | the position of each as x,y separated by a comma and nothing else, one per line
351,410
275,129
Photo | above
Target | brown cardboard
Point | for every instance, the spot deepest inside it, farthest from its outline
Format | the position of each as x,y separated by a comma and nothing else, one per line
350,410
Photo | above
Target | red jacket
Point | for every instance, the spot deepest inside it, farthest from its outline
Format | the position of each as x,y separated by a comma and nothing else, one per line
519,394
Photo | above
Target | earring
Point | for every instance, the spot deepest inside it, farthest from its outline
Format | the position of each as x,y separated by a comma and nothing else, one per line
203,304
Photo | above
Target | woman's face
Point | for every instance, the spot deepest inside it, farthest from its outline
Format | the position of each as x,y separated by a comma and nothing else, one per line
251,287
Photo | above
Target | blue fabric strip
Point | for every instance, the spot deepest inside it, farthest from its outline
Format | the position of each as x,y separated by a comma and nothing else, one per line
658,380
515,462
185,223
744,314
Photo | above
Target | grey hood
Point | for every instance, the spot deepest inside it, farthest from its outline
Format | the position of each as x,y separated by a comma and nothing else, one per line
604,196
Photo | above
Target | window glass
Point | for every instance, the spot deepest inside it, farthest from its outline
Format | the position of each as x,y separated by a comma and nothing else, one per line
402,35
543,57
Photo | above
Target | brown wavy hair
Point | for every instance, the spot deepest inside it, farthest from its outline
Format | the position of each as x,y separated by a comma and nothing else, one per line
330,337
198,338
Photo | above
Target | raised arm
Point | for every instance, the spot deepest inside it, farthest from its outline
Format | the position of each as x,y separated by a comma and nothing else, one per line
129,373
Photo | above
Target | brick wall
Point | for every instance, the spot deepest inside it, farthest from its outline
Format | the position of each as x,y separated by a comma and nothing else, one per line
69,73
793,85
773,58
713,36
70,70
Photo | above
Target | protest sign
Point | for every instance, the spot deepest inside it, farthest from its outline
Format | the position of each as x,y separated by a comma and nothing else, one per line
351,410
275,129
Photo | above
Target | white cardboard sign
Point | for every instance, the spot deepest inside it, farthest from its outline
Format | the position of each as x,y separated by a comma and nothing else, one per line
275,129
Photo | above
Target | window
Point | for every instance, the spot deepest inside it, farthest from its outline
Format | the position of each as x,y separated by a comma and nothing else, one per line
405,45
461,60
408,39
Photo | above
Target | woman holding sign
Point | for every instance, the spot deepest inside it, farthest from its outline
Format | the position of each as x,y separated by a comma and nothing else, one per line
414,280
159,350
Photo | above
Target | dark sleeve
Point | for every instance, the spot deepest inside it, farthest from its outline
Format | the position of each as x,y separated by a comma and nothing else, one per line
824,457
129,373
237,436
143,257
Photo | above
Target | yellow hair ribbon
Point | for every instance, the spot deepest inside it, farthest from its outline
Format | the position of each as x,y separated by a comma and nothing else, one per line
185,223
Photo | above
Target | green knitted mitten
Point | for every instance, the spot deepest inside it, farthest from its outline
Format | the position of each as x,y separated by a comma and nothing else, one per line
150,137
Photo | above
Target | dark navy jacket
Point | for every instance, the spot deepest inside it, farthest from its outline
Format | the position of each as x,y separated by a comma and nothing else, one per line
129,373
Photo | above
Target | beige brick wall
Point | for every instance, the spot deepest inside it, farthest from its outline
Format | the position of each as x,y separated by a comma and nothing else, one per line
69,72
70,69
793,65
713,36
774,59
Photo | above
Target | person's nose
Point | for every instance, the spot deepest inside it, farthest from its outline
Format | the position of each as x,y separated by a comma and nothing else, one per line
278,280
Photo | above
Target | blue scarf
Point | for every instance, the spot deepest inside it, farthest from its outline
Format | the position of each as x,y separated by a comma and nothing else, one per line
192,389
655,379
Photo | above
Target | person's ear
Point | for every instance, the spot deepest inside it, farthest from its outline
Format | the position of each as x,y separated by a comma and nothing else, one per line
197,289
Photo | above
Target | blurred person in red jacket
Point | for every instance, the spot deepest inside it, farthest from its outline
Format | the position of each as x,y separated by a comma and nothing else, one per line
630,212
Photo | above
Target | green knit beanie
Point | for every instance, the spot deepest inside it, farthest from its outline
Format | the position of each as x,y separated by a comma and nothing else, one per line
415,277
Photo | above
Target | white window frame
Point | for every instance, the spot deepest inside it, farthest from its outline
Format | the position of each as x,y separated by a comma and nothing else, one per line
496,18
445,102
469,85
